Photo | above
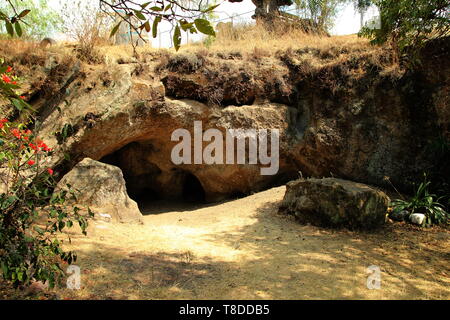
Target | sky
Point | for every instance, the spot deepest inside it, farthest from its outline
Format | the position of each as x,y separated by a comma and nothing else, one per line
347,20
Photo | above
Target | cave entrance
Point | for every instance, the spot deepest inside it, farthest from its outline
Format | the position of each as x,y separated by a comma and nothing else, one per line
181,192
155,190
193,191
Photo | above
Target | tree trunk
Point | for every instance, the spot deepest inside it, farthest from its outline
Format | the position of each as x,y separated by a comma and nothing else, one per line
267,9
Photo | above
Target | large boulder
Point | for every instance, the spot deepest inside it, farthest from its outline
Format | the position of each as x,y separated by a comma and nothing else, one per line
334,202
101,187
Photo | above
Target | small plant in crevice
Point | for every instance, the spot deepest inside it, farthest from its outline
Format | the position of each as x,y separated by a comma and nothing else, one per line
422,202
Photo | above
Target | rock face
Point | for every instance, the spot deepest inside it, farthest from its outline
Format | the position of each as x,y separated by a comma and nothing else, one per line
102,188
130,126
334,202
350,117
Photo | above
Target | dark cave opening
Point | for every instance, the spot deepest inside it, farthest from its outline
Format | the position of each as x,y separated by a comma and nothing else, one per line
154,190
193,191
158,186
144,196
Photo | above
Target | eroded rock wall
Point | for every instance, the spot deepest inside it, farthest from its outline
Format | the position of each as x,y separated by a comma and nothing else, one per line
355,118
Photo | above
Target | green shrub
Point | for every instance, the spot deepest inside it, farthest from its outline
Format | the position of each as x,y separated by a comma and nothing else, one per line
423,202
31,214
407,24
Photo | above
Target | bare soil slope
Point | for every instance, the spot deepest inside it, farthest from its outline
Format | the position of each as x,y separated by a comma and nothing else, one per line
244,249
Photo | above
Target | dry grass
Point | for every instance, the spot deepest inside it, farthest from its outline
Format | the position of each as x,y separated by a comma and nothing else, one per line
246,38
306,53
337,64
24,52
28,53
251,42
262,55
268,57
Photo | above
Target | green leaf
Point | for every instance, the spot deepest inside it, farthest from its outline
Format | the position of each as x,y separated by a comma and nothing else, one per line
9,28
177,38
147,26
155,26
39,230
24,13
205,27
211,8
4,268
18,29
19,104
8,202
144,5
115,29
167,7
185,25
156,9
139,14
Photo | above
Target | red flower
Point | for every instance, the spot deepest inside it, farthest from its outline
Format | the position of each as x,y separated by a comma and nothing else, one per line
50,171
43,146
6,79
3,120
14,83
22,97
8,70
32,146
31,162
16,133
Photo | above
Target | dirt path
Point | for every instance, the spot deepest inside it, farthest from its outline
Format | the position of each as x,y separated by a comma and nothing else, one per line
243,249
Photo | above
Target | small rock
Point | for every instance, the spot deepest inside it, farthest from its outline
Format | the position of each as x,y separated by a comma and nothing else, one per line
417,218
399,215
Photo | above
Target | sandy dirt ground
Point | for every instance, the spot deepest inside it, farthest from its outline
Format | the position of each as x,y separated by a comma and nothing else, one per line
244,249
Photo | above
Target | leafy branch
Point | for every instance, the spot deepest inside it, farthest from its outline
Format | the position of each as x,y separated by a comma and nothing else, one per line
12,24
186,16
